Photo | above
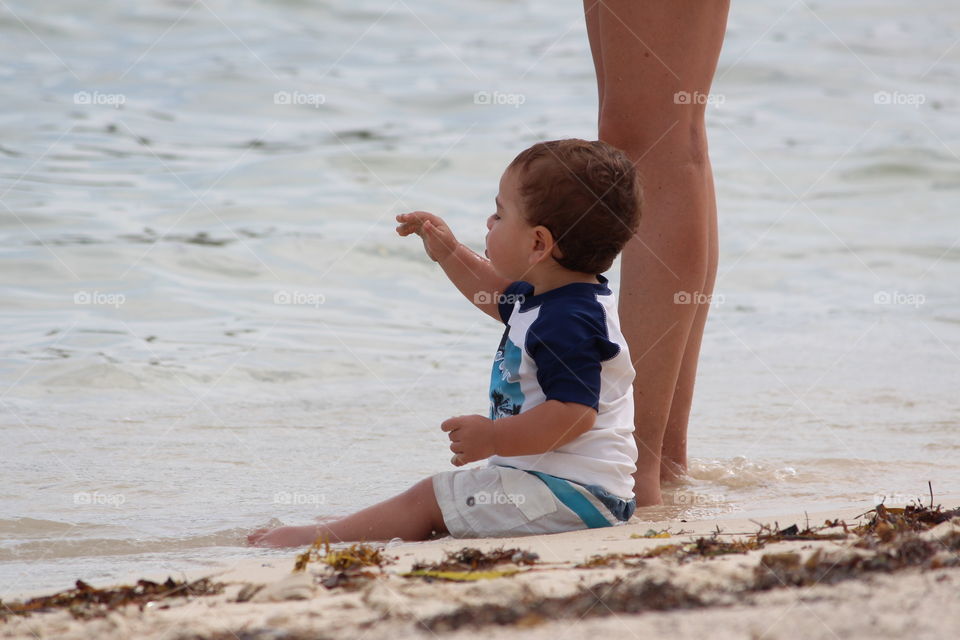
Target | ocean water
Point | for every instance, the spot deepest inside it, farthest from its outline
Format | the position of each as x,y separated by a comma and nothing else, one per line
209,323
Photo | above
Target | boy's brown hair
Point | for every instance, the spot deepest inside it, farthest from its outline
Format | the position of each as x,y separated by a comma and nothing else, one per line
587,193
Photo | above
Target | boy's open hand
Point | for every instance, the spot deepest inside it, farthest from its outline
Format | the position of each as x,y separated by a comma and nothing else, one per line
438,240
471,438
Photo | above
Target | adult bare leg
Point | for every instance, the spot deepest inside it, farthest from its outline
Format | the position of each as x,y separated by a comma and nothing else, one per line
655,62
673,461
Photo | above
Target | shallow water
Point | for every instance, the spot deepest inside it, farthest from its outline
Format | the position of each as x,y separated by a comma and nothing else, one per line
209,321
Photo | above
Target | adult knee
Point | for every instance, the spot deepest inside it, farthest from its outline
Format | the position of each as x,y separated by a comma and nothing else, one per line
657,141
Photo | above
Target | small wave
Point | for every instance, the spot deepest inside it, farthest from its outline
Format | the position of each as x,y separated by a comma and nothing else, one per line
685,506
738,472
34,527
81,546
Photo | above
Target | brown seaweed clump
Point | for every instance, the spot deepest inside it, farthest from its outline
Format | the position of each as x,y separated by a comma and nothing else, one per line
887,523
712,546
469,563
889,542
907,551
345,567
602,599
702,547
891,538
85,601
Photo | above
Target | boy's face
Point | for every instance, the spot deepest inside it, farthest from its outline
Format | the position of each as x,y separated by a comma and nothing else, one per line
509,236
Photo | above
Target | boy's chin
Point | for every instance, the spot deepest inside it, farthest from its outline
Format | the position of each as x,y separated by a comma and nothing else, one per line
503,274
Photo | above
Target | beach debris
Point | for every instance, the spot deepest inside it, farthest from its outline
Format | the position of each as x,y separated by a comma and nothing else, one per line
887,522
469,563
829,567
914,537
699,548
344,567
353,557
608,598
607,560
892,539
85,601
767,533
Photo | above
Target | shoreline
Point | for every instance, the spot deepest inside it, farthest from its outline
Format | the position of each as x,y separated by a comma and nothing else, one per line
721,577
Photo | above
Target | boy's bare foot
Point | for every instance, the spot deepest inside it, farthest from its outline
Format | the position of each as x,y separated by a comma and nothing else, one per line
283,537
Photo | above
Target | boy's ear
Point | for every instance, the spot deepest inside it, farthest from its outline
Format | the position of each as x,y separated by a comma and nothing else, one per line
543,244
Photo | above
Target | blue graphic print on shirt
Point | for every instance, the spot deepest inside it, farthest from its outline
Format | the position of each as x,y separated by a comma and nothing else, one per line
506,398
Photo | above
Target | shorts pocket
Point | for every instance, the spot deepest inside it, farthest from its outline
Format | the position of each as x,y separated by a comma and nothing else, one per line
531,496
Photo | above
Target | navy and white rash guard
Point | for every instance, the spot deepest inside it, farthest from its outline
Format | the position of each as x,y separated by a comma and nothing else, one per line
565,344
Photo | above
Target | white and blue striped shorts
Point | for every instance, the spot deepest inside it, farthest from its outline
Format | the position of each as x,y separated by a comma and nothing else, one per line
498,501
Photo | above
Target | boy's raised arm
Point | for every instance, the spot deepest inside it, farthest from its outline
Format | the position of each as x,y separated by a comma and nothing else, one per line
471,273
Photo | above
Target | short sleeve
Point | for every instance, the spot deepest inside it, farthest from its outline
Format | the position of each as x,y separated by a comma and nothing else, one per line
569,349
514,293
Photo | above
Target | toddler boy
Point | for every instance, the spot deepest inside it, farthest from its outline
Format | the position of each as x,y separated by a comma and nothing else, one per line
559,434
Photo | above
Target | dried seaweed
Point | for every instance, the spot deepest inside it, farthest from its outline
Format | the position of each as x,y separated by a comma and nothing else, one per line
353,557
85,601
902,549
891,535
471,559
469,563
793,532
618,596
606,560
699,548
822,567
344,566
886,522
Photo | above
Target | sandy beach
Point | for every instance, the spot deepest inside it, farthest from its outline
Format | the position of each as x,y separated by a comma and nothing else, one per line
896,576
210,323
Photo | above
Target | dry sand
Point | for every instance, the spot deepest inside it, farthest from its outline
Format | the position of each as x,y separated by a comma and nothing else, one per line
701,597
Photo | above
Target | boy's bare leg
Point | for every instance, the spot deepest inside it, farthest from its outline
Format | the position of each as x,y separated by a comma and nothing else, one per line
645,54
412,515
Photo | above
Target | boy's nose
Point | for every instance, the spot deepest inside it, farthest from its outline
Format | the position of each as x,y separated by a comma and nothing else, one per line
490,222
